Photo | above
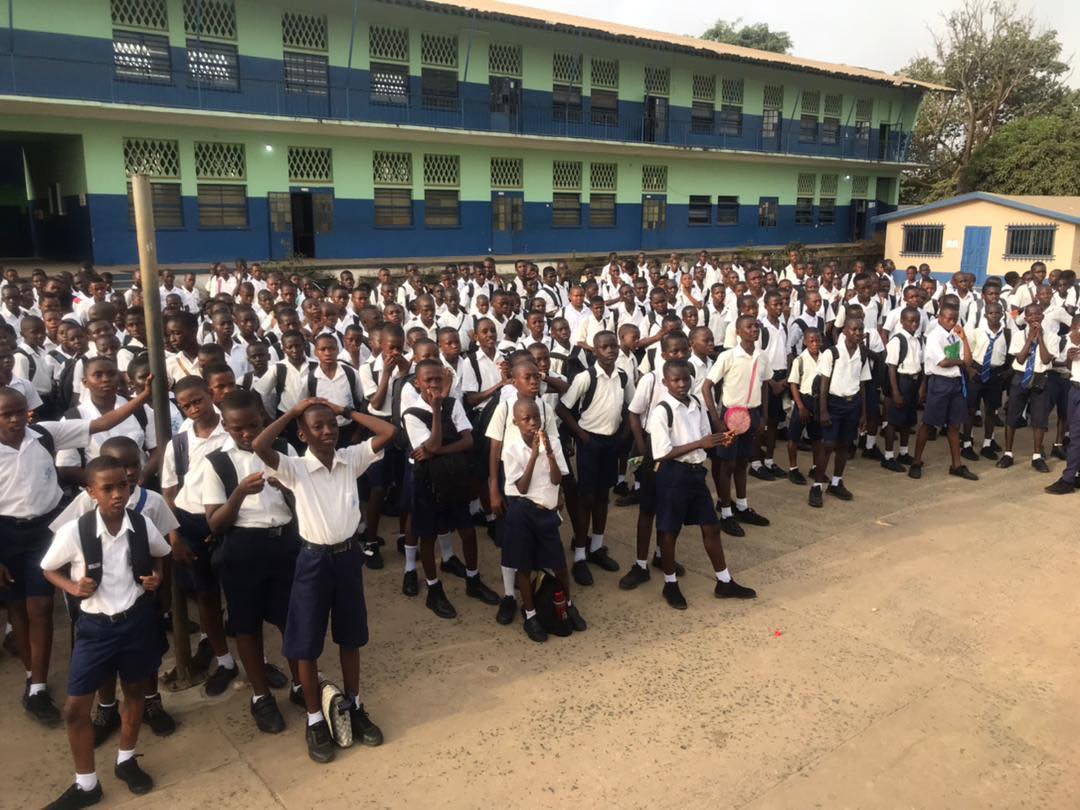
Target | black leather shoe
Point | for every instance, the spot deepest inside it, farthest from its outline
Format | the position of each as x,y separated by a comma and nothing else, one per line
730,525
220,680
774,471
816,499
438,603
581,573
733,590
969,454
476,589
632,499
320,745
373,556
963,472
363,730
622,489
892,465
988,453
296,697
42,708
634,577
1004,462
203,656
1059,487
75,797
155,716
915,470
761,474
267,716
1057,451
534,630
905,458
1040,465
873,453
507,610
105,720
796,477
137,780
410,583
673,596
840,491
275,678
750,517
680,569
601,558
576,620
453,566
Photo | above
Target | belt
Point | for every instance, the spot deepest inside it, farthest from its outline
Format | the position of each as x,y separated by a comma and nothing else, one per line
913,376
851,398
269,531
29,523
116,618
323,548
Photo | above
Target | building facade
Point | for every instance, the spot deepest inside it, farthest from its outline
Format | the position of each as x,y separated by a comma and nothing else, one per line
341,130
986,234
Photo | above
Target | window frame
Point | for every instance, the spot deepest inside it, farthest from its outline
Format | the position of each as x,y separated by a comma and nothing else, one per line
804,211
768,212
698,211
826,211
387,210
921,239
383,95
1032,233
770,120
565,209
808,128
730,121
448,216
439,98
311,65
209,48
221,208
830,131
142,39
727,204
703,117
609,209
607,115
162,207
654,220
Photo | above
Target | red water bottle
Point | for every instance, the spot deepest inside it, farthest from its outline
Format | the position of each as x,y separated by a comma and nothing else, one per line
560,605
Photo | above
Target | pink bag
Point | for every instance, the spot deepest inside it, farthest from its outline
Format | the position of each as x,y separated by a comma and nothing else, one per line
737,418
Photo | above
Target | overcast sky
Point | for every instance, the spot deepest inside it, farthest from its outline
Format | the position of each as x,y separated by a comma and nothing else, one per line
880,35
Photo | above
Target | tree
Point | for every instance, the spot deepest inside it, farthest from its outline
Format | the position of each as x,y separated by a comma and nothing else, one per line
1002,67
1029,156
757,35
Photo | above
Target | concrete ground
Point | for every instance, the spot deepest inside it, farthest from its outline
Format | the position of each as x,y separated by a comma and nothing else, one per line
914,648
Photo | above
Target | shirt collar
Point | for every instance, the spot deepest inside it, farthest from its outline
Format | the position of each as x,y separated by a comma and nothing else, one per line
313,463
102,531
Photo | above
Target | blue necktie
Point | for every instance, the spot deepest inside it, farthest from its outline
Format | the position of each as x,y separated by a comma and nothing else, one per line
1029,369
984,373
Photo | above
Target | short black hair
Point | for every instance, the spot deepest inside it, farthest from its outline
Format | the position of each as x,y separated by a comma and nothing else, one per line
240,399
100,465
212,369
187,383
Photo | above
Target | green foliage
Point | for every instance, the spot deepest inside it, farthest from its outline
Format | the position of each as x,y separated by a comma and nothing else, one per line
1029,156
1003,68
756,35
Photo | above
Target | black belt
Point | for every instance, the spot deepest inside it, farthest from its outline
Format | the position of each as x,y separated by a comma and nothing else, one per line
323,548
31,522
270,531
116,618
914,376
851,398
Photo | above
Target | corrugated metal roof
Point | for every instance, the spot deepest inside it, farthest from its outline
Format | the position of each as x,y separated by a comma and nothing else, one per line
1065,209
512,12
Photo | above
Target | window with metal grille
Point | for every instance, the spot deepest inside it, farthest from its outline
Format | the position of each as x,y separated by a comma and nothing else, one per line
767,208
830,183
773,97
605,73
389,44
441,208
222,206
702,117
210,18
862,132
704,87
808,128
307,31
168,206
508,214
139,57
213,65
923,240
727,210
657,80
442,170
439,50
566,68
806,185
603,176
220,161
566,175
826,213
565,210
504,60
389,84
306,73
1029,241
507,173
605,108
770,123
310,164
804,210
860,186
152,157
654,178
566,103
393,208
602,211
653,213
700,210
152,15
439,89
391,169
731,120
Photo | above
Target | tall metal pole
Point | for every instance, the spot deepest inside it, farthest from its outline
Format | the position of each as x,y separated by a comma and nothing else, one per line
155,345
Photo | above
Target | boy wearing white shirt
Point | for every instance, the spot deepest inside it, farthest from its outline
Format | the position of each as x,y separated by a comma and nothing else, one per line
1032,358
1071,357
988,377
904,363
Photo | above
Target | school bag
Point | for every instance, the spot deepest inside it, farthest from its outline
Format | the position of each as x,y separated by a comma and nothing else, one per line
142,564
31,363
583,404
313,384
225,469
481,417
44,438
65,385
447,478
73,413
835,352
545,586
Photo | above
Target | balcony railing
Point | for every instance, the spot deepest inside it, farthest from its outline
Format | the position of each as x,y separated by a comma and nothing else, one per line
348,97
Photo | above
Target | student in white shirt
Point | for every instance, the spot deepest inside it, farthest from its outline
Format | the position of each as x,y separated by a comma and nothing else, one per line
904,364
1032,359
1070,356
988,377
803,418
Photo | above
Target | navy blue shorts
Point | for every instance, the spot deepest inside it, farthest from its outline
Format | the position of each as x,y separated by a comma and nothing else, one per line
1037,404
1072,460
531,538
21,550
646,478
133,647
256,574
683,497
946,405
908,415
844,415
326,588
198,576
873,400
428,519
776,401
597,464
989,395
1057,391
795,421
743,447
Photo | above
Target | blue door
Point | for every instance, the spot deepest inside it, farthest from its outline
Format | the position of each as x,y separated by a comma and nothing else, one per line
279,204
976,251
653,221
507,220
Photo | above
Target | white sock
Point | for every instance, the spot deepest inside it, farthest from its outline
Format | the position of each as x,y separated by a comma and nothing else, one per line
256,698
410,558
226,661
431,582
888,455
314,717
446,546
474,505
870,442
529,614
725,511
966,444
637,485
86,781
643,564
123,756
818,484
470,574
755,465
203,637
988,442
29,674
508,577
489,516
723,576
621,479
903,450
579,554
1008,453
7,628
106,705
741,504
595,542
354,699
836,480
36,687
1036,456
770,463
670,578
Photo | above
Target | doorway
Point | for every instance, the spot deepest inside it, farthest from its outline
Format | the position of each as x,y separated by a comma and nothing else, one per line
859,211
976,251
507,219
656,119
505,106
303,224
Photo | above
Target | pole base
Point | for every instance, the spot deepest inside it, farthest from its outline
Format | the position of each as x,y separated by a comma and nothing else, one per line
174,683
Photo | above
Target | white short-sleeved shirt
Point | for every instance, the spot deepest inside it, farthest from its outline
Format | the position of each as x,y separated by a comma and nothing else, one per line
689,423
33,398
845,372
490,374
28,486
588,328
370,374
871,313
515,458
44,367
937,339
913,359
419,433
1018,338
337,389
501,428
118,590
295,383
734,368
263,510
153,508
604,414
189,496
777,350
981,338
803,371
327,501
145,438
178,365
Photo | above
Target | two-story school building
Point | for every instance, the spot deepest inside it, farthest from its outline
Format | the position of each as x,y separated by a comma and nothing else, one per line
386,129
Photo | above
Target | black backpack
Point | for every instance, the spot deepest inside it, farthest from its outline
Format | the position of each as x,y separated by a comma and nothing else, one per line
583,404
545,586
225,469
864,357
45,438
65,385
140,417
447,478
350,375
142,564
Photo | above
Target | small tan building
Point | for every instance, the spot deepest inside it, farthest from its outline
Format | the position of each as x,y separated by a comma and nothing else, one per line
985,234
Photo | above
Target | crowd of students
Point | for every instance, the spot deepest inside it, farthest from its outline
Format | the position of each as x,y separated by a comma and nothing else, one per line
308,419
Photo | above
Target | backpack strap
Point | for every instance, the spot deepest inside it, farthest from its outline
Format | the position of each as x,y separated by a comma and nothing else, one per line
141,503
590,392
91,545
474,361
142,564
180,445
31,363
669,412
246,380
141,418
280,375
44,438
225,470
